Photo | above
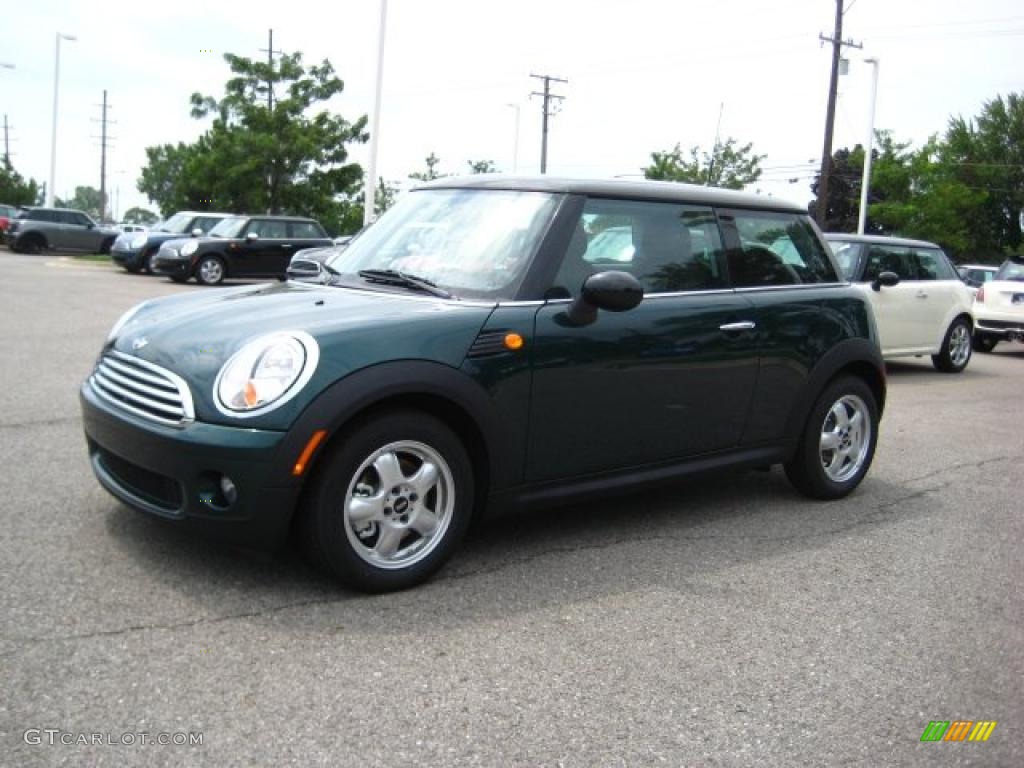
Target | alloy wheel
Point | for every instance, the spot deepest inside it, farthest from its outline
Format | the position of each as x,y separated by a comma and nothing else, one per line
845,438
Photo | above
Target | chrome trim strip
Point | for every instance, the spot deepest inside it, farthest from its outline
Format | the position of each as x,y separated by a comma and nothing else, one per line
172,398
745,325
137,374
105,383
799,286
132,409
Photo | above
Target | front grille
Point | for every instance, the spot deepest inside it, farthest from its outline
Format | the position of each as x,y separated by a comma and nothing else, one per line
151,487
145,389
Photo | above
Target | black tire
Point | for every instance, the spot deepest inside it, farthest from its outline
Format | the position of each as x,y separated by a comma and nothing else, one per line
807,470
31,244
956,347
984,342
210,270
335,544
147,260
133,268
106,245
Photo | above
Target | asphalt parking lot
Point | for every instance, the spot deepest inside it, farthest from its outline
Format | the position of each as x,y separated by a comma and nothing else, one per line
724,622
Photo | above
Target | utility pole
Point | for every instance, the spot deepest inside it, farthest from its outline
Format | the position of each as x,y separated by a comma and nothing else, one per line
830,114
546,112
271,202
7,141
104,144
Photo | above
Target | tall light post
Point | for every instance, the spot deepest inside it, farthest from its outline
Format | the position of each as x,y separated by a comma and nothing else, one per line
369,203
53,138
865,183
515,141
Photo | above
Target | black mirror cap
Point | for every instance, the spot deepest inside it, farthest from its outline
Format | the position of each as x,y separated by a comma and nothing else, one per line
613,291
887,279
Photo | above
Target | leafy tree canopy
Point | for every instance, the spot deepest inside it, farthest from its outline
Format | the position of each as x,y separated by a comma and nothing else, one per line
482,166
140,216
85,199
431,172
15,190
727,165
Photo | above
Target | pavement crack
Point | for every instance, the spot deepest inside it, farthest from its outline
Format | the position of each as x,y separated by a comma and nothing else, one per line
40,423
965,465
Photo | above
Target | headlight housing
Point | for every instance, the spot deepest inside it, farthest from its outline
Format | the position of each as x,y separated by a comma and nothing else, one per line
139,240
189,248
265,373
121,321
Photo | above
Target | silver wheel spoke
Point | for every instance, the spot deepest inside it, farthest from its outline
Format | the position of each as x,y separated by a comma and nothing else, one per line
845,438
425,522
424,479
389,470
840,415
388,541
363,509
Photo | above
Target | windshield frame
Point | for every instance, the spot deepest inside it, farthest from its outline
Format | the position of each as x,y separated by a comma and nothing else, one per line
165,225
229,233
430,234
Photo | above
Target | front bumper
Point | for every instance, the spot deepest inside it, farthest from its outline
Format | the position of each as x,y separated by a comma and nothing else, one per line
172,266
129,257
174,473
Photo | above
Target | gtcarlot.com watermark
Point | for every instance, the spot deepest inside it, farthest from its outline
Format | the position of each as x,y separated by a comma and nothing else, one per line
55,736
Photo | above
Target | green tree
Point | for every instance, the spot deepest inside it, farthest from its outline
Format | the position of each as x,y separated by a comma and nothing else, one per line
289,158
727,165
431,172
139,216
85,199
15,190
481,166
385,196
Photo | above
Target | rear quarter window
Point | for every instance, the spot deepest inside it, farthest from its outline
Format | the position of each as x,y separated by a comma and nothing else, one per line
777,249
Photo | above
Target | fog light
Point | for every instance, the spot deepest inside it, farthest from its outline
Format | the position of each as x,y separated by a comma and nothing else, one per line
227,488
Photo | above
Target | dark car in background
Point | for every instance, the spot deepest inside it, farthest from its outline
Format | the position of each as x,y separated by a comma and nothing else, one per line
135,250
240,246
470,351
63,229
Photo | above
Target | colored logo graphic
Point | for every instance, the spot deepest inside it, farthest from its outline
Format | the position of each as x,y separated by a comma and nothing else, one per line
958,730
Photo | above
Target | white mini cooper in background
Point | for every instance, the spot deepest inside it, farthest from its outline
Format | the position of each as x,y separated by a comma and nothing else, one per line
921,305
999,307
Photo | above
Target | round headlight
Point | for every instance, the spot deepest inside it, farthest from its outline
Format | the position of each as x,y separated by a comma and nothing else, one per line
266,373
189,248
139,240
121,321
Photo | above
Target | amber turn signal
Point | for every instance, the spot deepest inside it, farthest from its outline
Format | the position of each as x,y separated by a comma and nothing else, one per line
513,341
307,452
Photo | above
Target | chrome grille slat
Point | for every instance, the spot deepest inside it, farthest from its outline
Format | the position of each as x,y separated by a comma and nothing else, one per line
142,388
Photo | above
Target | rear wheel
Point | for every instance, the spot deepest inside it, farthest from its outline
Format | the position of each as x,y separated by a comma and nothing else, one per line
210,270
390,504
838,441
956,348
33,244
984,342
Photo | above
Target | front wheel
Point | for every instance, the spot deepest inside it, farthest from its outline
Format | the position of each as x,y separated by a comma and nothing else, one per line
390,504
838,441
956,348
210,270
984,342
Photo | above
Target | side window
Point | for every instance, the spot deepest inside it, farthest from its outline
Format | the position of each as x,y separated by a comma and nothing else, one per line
205,223
932,264
81,220
306,229
267,228
666,246
890,258
49,216
777,249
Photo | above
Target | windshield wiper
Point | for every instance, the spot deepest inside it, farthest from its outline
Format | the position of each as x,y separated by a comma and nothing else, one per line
395,277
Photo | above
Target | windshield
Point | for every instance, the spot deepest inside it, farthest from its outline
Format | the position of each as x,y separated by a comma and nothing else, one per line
176,224
474,243
846,255
229,227
1011,270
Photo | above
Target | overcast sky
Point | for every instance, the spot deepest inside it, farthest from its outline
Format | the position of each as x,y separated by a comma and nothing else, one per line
643,75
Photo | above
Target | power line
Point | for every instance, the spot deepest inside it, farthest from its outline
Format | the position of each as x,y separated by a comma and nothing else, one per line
546,113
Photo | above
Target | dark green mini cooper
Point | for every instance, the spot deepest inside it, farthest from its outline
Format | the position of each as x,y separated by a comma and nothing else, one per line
490,342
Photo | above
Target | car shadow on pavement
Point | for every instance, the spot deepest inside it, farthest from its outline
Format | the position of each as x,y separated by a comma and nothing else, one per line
673,540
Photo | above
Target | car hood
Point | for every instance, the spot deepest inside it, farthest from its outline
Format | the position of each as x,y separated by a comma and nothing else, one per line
194,334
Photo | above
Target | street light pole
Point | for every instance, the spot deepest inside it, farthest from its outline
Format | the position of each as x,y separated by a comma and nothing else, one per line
515,141
53,138
865,183
369,203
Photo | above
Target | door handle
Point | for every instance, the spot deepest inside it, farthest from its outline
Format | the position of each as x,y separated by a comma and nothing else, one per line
286,245
746,325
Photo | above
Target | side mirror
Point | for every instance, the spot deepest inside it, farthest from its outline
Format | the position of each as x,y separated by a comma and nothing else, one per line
252,237
304,269
887,279
197,232
612,291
